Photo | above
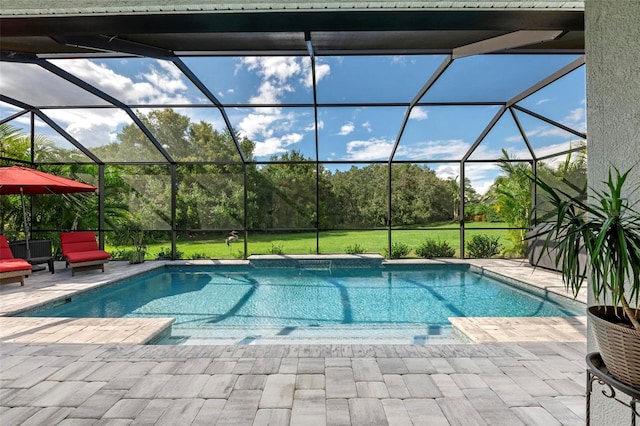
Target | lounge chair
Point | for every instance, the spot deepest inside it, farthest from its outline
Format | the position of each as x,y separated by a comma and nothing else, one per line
80,250
12,270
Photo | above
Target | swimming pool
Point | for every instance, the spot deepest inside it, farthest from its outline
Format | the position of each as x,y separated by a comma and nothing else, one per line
245,303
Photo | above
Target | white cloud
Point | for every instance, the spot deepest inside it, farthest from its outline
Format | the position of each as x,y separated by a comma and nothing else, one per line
291,139
268,93
434,149
32,85
372,149
271,146
418,113
91,127
257,124
312,126
481,175
280,71
161,82
367,126
276,145
558,147
530,134
446,171
167,77
322,70
575,116
553,131
515,138
541,101
269,128
280,68
541,132
222,94
346,129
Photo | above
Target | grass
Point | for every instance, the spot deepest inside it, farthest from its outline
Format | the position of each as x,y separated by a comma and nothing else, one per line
331,242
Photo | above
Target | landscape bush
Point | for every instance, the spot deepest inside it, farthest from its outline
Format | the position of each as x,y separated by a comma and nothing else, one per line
276,249
398,250
354,249
435,248
483,246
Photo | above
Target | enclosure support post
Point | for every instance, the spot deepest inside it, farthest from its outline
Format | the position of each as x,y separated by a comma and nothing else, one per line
174,185
462,178
389,254
101,200
245,204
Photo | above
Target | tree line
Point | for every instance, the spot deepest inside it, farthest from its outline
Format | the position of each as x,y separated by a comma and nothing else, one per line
213,184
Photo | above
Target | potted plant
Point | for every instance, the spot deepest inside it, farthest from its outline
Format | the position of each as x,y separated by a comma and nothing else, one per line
606,226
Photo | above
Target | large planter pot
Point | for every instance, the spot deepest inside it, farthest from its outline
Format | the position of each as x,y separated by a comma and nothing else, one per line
619,345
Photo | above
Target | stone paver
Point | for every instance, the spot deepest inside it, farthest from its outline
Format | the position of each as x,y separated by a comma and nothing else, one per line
509,392
339,382
278,391
309,408
367,411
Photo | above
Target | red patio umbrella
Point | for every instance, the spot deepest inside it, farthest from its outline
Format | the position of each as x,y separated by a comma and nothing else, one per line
21,180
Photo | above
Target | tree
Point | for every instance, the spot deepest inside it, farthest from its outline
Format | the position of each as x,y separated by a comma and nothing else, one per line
208,196
419,197
513,201
286,193
68,211
568,176
360,195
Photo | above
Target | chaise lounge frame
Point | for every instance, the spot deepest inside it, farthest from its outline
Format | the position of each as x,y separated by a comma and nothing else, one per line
19,268
80,251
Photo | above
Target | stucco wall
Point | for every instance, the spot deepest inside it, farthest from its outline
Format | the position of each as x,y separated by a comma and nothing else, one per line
612,34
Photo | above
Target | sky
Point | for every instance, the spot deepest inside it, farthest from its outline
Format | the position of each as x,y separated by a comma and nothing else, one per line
269,100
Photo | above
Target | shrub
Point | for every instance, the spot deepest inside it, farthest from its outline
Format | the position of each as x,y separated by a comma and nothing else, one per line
195,256
276,249
355,249
482,246
119,254
398,250
435,248
165,254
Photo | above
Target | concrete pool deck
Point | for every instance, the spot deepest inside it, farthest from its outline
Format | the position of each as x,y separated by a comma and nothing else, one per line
513,378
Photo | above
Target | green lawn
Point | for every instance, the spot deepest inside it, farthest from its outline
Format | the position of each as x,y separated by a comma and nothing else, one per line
331,242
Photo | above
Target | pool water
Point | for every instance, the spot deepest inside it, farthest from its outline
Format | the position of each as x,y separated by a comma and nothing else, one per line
240,302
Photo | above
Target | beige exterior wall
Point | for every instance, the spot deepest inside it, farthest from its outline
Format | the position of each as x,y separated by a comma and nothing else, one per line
612,34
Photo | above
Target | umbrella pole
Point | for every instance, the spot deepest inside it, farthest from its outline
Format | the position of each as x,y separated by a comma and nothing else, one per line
24,221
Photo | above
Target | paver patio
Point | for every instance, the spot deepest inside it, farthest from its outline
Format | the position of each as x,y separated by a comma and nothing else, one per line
492,383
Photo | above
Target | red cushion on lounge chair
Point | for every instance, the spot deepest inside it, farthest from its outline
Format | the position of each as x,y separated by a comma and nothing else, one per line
5,250
84,256
9,265
78,241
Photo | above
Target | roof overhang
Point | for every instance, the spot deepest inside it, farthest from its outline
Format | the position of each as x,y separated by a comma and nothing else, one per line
281,28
